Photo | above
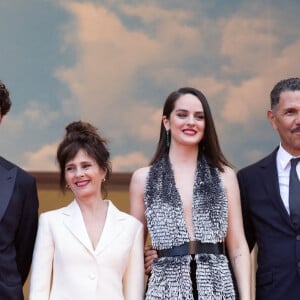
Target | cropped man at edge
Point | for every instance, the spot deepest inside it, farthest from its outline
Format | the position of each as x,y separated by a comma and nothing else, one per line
18,220
270,195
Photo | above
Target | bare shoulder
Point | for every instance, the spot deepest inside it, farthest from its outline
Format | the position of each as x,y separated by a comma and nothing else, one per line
136,193
139,176
228,171
228,176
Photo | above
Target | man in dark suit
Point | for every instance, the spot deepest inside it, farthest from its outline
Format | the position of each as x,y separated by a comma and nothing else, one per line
266,208
18,220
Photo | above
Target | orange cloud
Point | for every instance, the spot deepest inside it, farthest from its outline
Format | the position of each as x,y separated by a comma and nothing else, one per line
43,159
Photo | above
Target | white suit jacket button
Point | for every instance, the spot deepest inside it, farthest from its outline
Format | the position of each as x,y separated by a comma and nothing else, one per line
92,276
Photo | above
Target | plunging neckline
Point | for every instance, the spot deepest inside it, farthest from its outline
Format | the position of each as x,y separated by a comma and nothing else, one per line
179,199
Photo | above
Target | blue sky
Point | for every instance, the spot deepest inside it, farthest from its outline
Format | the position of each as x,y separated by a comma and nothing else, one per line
114,62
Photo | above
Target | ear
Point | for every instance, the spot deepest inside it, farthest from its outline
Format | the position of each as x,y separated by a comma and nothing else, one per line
166,122
104,174
272,118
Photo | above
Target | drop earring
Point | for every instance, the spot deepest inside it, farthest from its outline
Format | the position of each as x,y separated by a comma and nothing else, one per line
168,138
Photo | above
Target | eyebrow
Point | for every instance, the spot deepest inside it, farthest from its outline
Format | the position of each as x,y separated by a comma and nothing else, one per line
186,110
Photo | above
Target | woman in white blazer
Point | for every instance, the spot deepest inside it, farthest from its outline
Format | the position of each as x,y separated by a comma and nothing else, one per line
88,250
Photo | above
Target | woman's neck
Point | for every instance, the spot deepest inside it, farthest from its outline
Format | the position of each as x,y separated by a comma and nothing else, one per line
183,155
91,205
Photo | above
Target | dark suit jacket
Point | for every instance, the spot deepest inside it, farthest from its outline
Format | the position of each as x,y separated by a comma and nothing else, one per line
18,226
268,224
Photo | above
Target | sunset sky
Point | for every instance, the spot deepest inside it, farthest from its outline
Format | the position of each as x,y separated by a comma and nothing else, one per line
113,63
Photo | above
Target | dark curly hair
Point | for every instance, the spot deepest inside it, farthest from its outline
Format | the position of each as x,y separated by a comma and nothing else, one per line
5,102
82,136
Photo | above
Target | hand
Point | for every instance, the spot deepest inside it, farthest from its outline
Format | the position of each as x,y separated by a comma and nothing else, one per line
149,255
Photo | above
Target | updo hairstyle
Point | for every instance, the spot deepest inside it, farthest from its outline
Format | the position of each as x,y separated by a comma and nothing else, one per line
82,136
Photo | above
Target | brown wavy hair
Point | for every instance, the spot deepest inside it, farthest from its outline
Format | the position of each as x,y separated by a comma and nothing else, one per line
82,136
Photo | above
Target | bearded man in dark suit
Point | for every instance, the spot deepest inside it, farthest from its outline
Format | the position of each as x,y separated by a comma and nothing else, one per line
18,220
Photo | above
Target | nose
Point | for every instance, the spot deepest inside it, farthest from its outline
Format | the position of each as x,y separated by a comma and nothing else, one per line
79,172
191,120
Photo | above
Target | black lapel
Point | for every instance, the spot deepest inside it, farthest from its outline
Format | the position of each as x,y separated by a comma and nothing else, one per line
270,176
7,182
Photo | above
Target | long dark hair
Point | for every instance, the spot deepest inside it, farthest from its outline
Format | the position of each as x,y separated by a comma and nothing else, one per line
209,146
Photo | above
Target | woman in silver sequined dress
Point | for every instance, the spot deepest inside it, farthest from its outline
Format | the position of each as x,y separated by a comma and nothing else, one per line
188,200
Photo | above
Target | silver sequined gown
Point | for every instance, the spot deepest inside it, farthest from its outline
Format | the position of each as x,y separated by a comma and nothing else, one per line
170,276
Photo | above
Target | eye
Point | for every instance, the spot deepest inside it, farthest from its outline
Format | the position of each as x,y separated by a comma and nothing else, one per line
182,115
86,166
199,117
290,112
69,168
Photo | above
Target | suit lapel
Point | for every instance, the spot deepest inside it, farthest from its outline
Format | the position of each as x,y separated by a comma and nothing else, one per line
269,167
73,220
7,183
112,227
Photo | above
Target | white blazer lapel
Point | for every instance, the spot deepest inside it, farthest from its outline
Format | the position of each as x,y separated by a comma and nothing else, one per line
112,227
74,222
